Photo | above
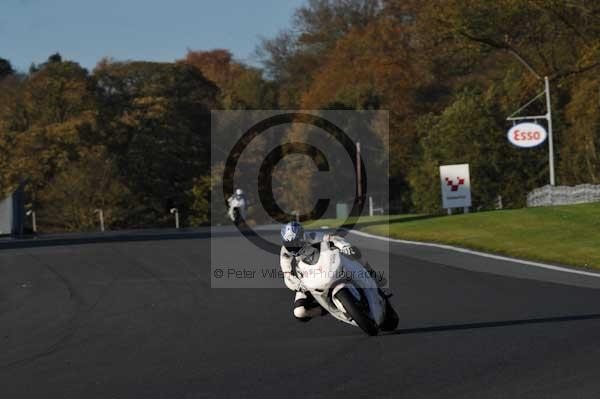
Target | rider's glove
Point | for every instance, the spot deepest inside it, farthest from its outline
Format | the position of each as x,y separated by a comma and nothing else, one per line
300,287
347,250
294,283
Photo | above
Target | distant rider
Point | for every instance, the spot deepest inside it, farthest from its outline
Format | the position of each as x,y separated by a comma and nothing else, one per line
298,245
237,197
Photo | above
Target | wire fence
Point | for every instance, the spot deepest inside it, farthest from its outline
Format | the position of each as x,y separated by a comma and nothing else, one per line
563,195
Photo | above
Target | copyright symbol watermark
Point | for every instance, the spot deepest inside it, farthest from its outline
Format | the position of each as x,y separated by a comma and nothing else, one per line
293,165
218,273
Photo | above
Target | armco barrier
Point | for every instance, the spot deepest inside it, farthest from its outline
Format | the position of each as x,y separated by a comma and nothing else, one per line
563,195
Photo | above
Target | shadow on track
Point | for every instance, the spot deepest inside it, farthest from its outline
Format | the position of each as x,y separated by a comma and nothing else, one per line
52,240
492,324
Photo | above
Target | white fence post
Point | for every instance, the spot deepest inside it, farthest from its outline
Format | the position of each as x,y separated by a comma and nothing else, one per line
175,211
100,213
31,213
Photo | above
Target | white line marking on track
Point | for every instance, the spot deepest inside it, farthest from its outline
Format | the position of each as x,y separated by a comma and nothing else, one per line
483,254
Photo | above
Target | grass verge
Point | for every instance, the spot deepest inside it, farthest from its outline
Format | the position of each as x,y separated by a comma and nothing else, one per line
568,235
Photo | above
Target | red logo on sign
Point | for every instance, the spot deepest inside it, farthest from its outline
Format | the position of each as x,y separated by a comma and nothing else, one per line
520,135
454,186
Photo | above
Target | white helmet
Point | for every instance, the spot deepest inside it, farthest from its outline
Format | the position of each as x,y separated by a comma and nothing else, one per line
292,237
238,191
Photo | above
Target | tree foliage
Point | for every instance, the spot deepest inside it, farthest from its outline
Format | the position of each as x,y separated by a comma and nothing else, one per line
70,200
42,119
134,137
130,138
430,62
6,68
155,123
240,86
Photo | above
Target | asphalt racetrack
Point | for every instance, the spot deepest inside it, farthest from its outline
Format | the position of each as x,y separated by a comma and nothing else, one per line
138,319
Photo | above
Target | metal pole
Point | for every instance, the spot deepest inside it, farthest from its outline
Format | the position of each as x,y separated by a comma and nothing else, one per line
550,139
175,211
101,215
358,174
31,213
370,205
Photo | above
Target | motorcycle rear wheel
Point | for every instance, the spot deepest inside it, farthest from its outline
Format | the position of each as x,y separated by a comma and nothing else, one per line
358,310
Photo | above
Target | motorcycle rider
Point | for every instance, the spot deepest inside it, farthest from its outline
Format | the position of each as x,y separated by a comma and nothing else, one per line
238,195
298,245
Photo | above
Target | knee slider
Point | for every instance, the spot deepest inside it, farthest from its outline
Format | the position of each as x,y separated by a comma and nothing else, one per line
300,313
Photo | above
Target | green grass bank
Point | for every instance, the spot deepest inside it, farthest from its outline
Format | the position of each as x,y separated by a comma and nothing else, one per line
568,235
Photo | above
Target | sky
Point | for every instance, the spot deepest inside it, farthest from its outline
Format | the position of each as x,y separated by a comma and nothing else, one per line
154,30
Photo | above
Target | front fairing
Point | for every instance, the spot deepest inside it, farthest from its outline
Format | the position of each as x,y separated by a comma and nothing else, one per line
237,202
324,272
333,269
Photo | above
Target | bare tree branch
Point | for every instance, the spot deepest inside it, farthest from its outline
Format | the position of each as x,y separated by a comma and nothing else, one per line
574,71
505,47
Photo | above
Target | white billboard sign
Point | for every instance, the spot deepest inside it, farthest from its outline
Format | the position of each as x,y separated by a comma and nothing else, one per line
527,135
456,186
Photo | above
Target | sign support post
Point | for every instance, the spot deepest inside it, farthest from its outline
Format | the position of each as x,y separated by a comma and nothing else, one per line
358,174
550,140
548,118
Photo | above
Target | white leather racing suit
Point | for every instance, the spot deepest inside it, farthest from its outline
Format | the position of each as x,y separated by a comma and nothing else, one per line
305,306
242,209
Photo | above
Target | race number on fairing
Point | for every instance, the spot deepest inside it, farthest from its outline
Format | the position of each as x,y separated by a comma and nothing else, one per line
527,135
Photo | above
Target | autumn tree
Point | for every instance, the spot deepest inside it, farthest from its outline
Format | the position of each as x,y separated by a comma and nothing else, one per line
6,68
557,39
471,131
155,122
43,120
549,38
581,144
294,54
240,86
70,199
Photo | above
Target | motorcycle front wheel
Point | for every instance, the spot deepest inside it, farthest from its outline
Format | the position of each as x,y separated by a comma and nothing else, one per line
358,310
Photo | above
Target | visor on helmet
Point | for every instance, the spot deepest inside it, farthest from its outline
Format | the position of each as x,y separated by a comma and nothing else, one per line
293,246
294,250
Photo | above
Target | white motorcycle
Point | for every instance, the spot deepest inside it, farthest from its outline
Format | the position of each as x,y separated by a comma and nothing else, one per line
343,287
237,209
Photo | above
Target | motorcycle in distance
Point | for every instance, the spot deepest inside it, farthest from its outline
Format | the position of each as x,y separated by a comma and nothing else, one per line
343,287
237,209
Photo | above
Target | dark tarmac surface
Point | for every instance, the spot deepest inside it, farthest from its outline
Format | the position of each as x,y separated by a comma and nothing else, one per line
138,319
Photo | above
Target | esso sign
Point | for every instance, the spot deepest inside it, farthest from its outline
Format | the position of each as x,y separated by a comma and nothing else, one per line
527,135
